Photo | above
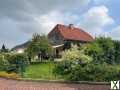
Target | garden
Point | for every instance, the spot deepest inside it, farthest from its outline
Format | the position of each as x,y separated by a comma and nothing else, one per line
95,61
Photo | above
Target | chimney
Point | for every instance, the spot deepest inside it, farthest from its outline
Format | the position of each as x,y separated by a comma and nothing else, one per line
71,26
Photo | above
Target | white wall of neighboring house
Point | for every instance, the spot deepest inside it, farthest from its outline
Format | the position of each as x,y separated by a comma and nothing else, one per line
21,50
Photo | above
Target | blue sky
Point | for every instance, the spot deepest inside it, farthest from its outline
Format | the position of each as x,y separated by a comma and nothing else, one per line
19,19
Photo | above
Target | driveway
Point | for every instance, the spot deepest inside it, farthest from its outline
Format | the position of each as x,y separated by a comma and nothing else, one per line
7,84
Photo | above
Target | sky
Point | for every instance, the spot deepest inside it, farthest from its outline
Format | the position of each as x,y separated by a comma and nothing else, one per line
20,19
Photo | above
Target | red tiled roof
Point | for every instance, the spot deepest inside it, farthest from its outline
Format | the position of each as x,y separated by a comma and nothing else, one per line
72,33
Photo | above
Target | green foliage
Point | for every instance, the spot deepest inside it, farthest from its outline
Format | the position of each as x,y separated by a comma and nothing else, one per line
105,42
102,50
117,51
3,62
105,53
63,68
108,49
10,63
95,72
38,44
76,55
93,50
90,72
4,49
17,63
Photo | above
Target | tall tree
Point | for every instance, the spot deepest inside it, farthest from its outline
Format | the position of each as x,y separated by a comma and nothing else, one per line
4,49
102,50
93,50
108,49
40,46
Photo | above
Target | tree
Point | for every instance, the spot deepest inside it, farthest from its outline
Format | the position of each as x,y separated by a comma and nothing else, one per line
102,50
117,51
93,50
108,49
39,46
4,49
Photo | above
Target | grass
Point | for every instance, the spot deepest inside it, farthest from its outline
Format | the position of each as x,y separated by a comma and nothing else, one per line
40,71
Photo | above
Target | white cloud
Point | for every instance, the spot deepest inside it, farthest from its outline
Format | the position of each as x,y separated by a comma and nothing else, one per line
45,23
47,5
93,21
47,13
48,21
96,19
22,9
100,1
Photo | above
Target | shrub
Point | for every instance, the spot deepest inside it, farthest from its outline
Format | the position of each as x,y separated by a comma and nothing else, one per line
91,72
93,50
101,50
17,63
71,58
3,62
62,68
117,51
76,55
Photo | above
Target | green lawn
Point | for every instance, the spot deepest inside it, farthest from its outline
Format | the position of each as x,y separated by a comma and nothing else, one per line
40,71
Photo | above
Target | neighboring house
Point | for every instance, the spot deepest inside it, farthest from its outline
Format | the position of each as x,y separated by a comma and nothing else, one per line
62,36
20,48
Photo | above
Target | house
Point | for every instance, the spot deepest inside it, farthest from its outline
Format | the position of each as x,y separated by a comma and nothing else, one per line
20,48
62,36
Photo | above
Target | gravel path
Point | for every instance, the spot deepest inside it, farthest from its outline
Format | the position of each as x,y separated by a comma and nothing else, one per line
6,84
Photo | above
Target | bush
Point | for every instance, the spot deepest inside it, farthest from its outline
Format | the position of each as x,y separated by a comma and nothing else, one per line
96,72
3,63
62,68
101,50
17,63
90,72
117,51
76,55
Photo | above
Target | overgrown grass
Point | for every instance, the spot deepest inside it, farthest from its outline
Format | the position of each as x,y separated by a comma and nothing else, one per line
40,71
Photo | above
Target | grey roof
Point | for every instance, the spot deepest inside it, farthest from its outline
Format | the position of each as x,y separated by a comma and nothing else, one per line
24,45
